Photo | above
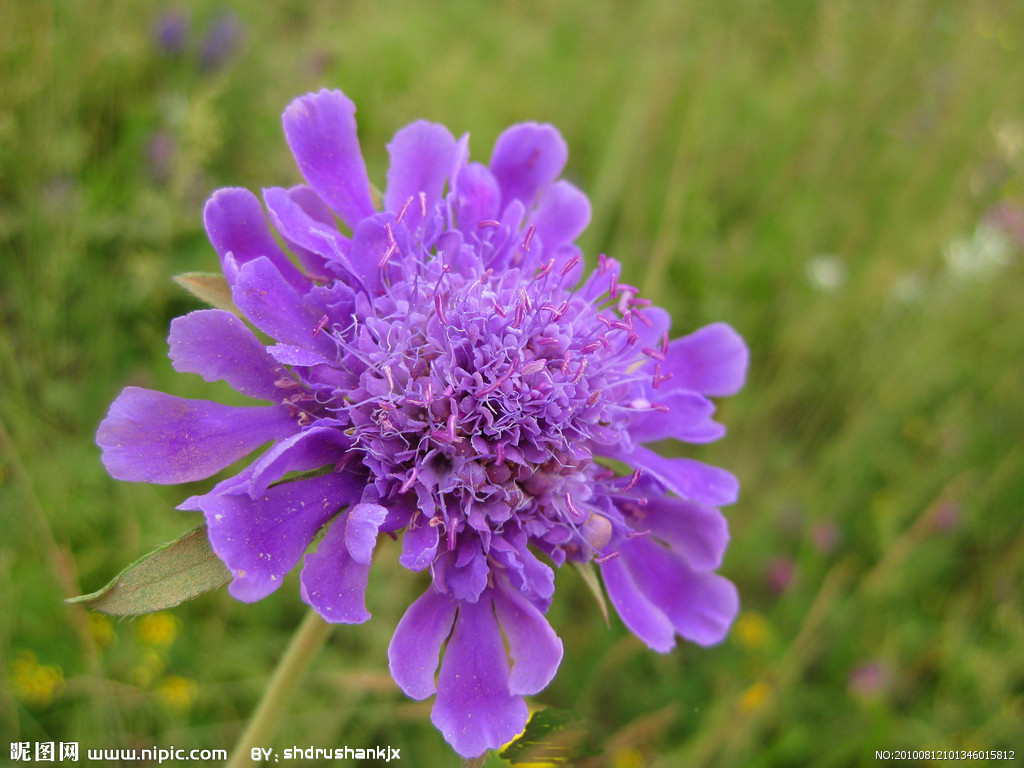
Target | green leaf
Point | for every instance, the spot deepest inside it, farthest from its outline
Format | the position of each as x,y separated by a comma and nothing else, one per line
167,576
210,287
589,574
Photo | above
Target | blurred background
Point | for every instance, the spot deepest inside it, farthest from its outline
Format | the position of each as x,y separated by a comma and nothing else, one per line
841,181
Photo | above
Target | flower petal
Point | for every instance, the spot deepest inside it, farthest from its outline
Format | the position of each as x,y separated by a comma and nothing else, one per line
419,545
687,413
697,532
416,645
312,448
364,520
562,213
701,606
421,157
370,242
334,577
651,324
687,478
639,614
712,360
478,198
275,308
153,437
321,131
536,649
316,242
236,225
526,158
218,346
474,709
260,540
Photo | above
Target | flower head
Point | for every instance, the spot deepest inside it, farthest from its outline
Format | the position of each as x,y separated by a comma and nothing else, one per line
443,371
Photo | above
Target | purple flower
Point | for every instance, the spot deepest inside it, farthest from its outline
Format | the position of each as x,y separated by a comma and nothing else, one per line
220,41
443,371
171,30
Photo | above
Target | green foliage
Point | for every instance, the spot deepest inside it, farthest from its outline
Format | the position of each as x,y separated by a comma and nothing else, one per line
168,576
841,181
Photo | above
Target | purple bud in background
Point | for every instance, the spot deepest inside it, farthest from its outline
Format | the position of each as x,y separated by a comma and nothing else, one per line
161,151
946,517
170,32
220,41
869,681
780,573
1007,216
825,536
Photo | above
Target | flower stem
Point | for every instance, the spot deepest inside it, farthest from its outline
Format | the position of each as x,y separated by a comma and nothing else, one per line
308,639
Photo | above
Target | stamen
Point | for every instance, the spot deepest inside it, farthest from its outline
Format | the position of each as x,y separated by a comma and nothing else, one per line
594,397
637,534
524,299
409,480
606,558
439,308
633,480
580,516
659,377
484,223
401,213
580,372
423,203
590,346
653,353
320,326
529,236
388,254
570,265
533,367
546,269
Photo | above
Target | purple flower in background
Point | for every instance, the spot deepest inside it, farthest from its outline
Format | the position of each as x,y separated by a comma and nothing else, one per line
442,370
220,41
171,31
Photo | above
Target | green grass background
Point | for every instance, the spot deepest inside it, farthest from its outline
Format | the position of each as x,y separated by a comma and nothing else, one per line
733,151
